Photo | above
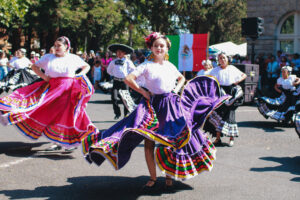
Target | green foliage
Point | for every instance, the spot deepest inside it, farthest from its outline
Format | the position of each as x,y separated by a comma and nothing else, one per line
12,11
222,19
94,24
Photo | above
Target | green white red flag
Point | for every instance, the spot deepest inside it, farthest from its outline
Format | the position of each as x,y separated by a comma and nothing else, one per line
188,51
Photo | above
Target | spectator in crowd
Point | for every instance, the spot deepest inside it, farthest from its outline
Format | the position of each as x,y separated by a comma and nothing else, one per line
105,62
262,71
79,53
33,58
236,59
3,64
246,60
296,64
51,51
91,61
37,56
273,70
84,56
141,57
278,56
283,62
43,52
134,59
96,71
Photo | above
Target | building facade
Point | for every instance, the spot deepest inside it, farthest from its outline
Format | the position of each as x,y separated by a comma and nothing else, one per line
281,26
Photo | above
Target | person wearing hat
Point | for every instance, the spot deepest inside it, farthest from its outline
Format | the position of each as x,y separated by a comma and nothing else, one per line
43,52
21,73
33,57
282,108
119,68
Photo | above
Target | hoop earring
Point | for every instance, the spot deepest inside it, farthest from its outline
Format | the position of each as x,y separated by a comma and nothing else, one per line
151,57
166,56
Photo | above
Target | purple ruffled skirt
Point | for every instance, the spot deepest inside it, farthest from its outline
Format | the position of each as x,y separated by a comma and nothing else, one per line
173,121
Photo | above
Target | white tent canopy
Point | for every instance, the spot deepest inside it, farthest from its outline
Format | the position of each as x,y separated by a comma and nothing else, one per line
231,48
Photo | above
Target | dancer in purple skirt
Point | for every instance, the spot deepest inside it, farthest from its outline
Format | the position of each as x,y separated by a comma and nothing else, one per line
162,116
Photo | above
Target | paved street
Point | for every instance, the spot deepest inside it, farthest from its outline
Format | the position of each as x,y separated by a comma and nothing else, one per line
263,164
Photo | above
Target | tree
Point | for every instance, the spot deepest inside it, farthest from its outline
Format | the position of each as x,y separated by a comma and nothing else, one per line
11,10
12,14
222,19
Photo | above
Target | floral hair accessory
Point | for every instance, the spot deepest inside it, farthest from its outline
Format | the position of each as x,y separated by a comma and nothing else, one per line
154,36
151,38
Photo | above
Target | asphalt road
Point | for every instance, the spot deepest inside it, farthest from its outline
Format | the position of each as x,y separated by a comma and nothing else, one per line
263,164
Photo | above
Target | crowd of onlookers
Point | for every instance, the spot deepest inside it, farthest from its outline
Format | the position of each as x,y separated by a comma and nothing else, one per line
98,61
269,65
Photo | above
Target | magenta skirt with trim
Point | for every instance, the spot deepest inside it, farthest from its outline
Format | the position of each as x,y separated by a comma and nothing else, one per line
55,109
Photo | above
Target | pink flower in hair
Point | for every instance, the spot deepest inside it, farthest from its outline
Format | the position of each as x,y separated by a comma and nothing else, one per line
150,38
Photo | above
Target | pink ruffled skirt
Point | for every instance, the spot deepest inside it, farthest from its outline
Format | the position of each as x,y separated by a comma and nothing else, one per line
55,109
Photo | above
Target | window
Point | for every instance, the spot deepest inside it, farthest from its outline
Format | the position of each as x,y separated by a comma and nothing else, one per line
288,34
287,46
288,25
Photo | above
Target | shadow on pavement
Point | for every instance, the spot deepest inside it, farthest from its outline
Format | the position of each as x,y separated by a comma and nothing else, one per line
265,125
103,122
101,102
22,149
97,187
15,147
288,164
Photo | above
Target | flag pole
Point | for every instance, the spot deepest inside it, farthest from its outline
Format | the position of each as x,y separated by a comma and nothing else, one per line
207,47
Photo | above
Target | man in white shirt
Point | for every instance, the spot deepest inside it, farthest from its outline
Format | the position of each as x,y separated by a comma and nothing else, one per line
119,68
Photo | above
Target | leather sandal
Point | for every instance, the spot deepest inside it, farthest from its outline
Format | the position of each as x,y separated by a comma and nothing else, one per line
152,186
169,180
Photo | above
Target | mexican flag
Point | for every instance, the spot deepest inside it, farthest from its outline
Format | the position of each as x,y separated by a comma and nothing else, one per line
188,51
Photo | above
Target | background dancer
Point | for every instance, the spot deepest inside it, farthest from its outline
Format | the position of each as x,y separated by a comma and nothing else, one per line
222,121
207,68
164,117
283,107
54,107
119,69
21,73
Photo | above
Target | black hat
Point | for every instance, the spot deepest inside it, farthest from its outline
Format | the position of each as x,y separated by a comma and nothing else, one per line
122,47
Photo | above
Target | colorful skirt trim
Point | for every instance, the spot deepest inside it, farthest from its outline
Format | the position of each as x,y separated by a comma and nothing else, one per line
170,120
55,109
187,162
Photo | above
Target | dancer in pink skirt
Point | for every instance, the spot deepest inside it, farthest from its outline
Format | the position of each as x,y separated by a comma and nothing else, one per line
54,107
